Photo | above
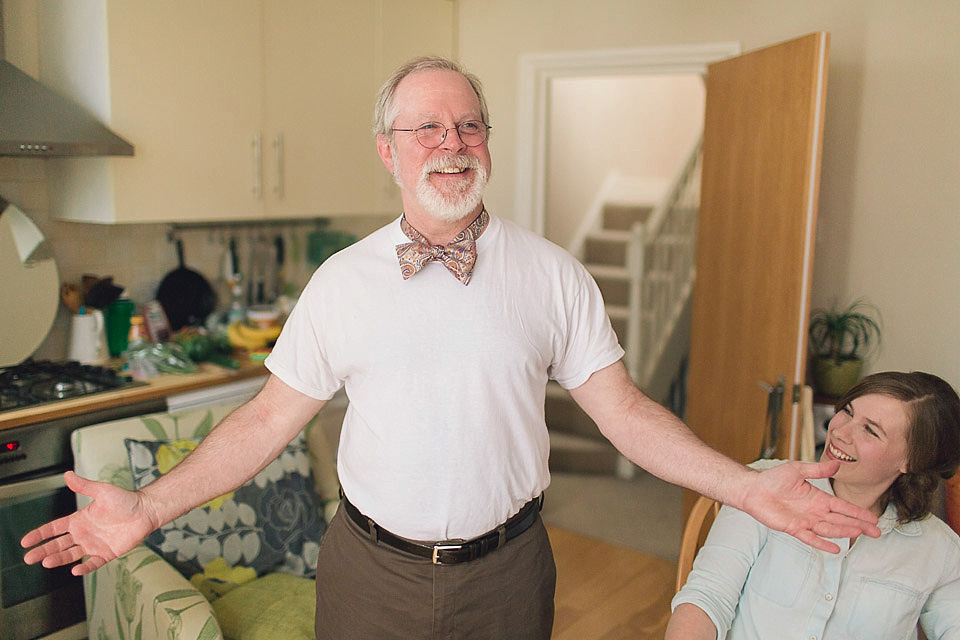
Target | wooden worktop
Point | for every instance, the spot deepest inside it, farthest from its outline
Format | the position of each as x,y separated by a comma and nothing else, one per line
207,375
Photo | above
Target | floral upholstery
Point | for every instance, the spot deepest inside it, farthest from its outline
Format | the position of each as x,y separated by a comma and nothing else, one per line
272,523
141,595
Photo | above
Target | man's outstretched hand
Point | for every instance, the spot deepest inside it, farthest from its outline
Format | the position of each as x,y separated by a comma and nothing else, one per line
782,499
114,523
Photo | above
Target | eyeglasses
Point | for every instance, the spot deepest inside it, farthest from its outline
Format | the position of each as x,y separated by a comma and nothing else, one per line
432,134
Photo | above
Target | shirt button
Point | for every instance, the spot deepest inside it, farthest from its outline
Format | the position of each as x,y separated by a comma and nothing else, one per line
813,637
829,597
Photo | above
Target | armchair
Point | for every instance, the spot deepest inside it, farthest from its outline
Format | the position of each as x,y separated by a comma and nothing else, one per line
143,595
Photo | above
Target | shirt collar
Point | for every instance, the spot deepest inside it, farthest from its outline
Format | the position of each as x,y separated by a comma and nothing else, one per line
888,522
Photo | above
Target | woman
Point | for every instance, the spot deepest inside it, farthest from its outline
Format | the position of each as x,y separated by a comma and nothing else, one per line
896,435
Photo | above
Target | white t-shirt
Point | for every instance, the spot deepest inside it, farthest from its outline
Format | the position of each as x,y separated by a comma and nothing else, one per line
444,436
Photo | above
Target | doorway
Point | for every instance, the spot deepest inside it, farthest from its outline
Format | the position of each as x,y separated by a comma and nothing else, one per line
637,128
551,85
537,74
545,78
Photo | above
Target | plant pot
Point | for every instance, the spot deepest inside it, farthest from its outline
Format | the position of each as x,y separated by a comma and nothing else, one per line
833,379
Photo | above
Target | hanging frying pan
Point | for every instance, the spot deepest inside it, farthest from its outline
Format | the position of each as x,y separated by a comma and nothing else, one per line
185,295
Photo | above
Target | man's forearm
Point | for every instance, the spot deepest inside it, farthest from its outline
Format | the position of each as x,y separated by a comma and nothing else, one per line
238,448
656,440
781,498
229,456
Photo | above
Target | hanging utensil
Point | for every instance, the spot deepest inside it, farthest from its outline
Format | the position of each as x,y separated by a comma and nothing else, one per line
185,295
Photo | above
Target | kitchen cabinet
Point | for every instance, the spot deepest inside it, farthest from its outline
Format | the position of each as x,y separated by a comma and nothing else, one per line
324,62
183,81
237,109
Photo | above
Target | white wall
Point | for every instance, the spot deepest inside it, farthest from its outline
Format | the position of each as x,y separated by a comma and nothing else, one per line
890,195
640,127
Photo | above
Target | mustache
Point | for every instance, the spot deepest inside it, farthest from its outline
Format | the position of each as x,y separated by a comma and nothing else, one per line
460,162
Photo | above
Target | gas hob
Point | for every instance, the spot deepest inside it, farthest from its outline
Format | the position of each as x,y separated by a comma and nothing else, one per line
35,382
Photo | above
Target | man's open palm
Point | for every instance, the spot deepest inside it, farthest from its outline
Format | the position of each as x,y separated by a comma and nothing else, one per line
114,523
783,500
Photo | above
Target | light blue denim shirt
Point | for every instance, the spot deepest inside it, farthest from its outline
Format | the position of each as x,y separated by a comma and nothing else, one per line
758,584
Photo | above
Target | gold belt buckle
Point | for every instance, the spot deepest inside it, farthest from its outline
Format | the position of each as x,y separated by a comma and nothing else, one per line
437,548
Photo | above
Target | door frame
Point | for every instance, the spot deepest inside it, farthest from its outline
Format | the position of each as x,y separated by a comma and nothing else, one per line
537,71
813,191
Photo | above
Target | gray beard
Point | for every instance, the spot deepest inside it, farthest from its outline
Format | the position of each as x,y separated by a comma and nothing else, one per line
453,207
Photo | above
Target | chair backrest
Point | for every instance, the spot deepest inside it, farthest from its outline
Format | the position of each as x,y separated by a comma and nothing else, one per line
694,532
99,452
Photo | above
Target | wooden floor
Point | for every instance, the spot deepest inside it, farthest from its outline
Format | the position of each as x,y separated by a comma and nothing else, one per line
607,592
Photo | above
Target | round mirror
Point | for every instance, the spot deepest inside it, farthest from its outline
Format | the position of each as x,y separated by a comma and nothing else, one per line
29,286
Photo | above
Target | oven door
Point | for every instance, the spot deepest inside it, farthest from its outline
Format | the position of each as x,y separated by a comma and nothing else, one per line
35,601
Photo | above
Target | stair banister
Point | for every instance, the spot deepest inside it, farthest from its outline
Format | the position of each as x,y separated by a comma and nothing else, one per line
634,346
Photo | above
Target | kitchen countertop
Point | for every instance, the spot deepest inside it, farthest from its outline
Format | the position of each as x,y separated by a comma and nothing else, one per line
207,375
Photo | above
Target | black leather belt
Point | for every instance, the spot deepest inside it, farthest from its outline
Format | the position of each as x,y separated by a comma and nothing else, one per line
451,551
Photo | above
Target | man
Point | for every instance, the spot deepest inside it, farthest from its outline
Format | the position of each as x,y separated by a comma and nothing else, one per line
443,452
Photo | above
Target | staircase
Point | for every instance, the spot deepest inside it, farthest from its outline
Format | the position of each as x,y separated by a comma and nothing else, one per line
640,250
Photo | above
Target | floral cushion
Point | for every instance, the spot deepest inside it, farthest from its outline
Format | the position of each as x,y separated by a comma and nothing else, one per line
273,523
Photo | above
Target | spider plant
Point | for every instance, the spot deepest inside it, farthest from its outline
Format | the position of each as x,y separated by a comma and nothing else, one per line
850,333
840,339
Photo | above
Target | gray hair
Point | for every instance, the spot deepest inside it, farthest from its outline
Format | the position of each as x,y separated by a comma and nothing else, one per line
385,112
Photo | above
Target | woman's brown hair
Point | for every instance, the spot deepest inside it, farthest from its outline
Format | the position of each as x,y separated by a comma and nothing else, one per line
933,437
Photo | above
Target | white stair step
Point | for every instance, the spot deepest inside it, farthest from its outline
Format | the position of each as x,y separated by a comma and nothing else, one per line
568,441
608,271
569,453
618,312
610,235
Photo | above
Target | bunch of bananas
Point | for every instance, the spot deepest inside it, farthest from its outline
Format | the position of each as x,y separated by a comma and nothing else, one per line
242,335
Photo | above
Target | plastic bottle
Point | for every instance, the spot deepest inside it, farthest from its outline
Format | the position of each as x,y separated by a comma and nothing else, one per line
138,332
138,351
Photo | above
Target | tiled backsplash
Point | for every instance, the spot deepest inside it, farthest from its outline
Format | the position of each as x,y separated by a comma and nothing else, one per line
139,255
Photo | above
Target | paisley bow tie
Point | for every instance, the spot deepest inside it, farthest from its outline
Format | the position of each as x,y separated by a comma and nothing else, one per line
458,256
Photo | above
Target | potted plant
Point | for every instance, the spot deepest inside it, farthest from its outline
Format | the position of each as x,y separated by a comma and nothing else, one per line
840,340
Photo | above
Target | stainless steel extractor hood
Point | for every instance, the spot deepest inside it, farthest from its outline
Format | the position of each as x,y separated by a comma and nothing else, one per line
37,121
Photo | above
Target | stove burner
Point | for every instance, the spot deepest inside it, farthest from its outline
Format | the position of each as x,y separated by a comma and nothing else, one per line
35,382
58,390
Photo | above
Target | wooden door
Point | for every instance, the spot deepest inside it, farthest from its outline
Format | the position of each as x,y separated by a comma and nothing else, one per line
760,182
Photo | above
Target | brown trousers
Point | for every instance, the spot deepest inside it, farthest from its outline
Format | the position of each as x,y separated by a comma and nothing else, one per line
369,591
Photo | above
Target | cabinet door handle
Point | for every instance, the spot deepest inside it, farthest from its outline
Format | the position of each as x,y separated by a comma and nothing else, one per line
257,166
771,435
278,165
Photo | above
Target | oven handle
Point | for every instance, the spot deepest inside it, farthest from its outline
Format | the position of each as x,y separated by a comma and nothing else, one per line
19,488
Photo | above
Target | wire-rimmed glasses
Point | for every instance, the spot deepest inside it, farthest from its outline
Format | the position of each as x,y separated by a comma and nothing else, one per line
431,135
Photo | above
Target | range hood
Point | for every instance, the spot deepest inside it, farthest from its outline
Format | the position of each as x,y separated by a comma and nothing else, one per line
37,121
